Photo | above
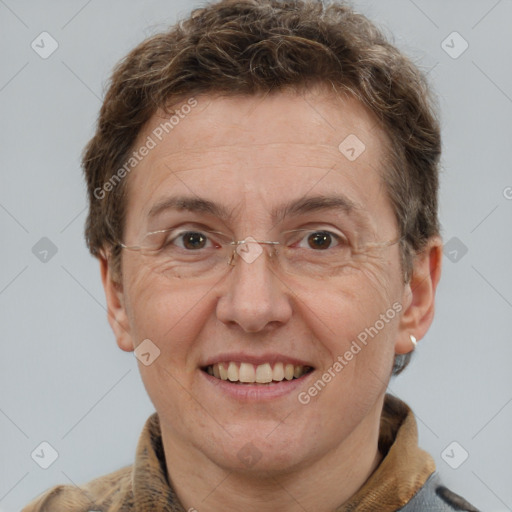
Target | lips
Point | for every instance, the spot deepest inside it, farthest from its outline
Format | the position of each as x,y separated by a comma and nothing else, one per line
250,373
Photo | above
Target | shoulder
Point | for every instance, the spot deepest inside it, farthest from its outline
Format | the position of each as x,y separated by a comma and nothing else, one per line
435,497
108,493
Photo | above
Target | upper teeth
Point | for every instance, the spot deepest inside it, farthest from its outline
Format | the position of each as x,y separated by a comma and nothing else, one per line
263,373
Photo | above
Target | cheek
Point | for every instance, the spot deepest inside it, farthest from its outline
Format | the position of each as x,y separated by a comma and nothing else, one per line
171,316
168,312
356,315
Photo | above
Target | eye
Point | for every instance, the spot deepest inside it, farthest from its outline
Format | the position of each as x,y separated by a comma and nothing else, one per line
191,240
322,240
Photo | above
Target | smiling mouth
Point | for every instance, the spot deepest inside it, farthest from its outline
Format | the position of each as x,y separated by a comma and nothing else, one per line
247,373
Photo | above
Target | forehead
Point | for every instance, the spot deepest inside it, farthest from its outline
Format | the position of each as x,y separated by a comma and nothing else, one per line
309,118
259,148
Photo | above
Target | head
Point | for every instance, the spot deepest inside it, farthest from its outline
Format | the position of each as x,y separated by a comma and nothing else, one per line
252,105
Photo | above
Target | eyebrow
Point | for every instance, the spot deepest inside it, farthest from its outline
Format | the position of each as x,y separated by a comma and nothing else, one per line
295,207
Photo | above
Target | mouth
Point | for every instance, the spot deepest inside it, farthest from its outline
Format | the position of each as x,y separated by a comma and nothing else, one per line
248,373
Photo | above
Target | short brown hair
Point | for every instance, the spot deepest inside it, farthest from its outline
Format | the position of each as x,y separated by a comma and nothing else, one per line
248,47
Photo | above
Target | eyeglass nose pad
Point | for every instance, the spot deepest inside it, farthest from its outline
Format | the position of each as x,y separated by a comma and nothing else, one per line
231,260
251,255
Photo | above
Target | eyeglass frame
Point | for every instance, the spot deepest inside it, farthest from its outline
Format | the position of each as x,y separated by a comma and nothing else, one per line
245,241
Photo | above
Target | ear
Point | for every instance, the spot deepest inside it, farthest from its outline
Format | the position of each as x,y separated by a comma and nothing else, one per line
116,311
419,295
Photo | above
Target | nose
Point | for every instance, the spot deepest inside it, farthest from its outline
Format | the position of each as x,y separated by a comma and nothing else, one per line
254,295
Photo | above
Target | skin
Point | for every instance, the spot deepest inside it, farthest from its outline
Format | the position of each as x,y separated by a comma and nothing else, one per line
251,154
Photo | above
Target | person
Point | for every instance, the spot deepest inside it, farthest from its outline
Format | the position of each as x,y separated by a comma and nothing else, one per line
262,192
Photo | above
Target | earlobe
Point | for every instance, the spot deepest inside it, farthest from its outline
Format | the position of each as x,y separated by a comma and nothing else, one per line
419,296
116,311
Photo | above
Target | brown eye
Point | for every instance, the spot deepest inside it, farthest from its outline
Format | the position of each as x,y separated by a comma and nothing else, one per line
320,240
193,240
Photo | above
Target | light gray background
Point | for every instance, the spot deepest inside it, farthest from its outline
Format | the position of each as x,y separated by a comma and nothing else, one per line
64,380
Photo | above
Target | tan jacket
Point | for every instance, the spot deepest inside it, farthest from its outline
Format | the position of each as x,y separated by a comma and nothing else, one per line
405,478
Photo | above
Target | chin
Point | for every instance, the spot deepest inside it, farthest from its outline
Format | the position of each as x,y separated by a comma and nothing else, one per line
262,463
261,452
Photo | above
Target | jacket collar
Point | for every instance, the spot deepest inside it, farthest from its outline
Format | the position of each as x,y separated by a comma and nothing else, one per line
404,469
401,473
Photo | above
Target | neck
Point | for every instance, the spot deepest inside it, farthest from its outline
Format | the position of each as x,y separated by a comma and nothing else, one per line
322,484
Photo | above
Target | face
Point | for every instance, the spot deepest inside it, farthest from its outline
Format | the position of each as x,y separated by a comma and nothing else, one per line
337,329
